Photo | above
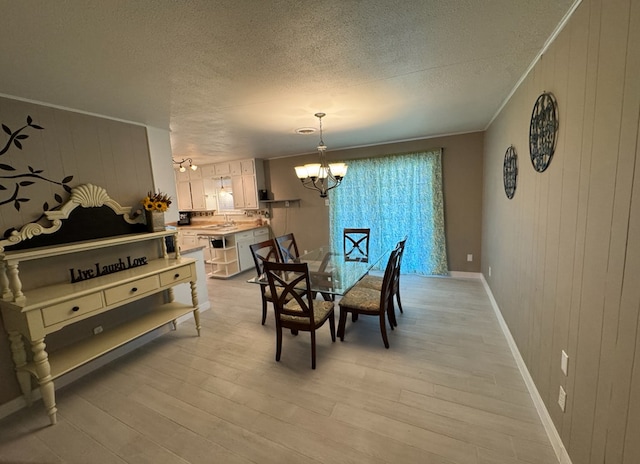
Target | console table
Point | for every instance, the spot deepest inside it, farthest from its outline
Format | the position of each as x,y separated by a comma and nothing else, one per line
31,316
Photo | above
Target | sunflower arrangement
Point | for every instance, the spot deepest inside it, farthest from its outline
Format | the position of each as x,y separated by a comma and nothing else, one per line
156,202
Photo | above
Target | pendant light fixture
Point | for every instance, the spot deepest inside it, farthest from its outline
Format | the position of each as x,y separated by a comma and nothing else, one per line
321,176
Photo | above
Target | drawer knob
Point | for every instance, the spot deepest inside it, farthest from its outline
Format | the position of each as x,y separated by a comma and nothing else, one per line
134,289
176,276
75,308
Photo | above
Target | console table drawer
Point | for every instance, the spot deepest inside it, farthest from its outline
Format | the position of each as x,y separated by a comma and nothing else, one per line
130,290
69,309
176,275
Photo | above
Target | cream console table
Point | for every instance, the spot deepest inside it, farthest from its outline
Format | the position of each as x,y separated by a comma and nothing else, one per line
32,315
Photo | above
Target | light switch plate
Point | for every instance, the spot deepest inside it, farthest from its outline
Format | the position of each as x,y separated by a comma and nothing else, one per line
564,363
562,399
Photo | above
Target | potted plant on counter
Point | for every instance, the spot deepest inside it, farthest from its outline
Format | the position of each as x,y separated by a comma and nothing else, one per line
155,204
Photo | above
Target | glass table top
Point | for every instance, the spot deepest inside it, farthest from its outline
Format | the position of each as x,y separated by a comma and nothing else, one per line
329,272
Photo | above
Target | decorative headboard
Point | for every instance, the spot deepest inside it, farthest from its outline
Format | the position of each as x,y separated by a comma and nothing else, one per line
99,216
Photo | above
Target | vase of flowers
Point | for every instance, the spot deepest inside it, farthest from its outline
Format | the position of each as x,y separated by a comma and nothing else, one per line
155,204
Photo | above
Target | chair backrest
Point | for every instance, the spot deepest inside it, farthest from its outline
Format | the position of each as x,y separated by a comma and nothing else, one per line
356,244
286,280
389,279
401,244
263,252
288,248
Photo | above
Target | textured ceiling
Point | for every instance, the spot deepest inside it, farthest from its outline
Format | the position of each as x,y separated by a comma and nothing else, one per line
235,78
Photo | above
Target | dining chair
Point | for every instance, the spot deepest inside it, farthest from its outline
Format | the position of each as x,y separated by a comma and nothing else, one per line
356,244
375,282
288,248
368,301
295,309
265,251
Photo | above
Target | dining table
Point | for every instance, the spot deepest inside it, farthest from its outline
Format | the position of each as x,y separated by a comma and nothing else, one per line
330,274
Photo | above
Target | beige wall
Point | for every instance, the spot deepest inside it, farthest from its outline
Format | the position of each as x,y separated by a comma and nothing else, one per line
564,253
108,153
462,179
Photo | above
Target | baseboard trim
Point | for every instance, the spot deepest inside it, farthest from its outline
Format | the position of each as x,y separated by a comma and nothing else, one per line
547,422
465,275
18,403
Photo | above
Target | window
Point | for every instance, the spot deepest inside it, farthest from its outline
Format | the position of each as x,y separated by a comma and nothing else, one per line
394,196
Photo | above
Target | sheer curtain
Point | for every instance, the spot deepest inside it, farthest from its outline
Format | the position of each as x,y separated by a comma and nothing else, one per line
394,196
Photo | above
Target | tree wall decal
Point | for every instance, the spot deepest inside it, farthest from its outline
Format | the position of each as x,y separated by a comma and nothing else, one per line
22,180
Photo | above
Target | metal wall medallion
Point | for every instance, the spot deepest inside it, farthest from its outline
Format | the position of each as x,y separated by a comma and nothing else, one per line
510,172
543,131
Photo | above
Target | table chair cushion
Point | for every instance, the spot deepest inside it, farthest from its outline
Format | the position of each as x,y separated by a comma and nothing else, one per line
363,299
320,311
370,281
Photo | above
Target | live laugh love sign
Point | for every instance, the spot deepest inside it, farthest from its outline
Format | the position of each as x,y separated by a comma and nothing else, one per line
78,275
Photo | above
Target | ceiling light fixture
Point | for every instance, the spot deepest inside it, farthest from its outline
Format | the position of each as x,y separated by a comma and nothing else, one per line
321,176
184,160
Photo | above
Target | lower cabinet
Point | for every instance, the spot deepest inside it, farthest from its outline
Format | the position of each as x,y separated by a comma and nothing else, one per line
228,255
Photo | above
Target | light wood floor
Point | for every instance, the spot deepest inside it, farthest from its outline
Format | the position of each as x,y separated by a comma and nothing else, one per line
447,391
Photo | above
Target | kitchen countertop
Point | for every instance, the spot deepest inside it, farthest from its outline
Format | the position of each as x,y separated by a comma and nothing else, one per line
215,229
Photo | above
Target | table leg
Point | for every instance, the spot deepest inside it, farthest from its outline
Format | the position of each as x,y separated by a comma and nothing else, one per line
20,360
43,371
194,302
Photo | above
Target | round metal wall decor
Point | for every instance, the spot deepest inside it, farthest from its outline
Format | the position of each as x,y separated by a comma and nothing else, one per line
510,172
543,131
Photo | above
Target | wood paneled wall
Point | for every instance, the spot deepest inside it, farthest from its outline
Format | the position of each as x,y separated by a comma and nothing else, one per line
565,252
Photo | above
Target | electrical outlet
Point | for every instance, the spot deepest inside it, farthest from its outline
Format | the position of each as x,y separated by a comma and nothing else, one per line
469,257
97,330
326,202
562,398
286,204
564,363
489,271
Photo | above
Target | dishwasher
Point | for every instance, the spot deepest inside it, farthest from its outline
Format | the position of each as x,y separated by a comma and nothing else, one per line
243,241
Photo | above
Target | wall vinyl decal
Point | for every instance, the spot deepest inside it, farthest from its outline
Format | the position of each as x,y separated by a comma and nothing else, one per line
510,172
543,131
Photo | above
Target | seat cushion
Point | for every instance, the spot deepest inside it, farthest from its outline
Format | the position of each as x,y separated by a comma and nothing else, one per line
370,281
320,311
362,299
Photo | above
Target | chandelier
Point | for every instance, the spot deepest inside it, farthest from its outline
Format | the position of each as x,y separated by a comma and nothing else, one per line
182,168
321,176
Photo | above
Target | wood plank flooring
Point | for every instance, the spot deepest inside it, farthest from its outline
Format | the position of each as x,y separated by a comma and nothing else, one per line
447,391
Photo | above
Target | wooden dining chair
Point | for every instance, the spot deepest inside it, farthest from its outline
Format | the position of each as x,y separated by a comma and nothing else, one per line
262,252
356,244
288,248
369,301
294,307
375,282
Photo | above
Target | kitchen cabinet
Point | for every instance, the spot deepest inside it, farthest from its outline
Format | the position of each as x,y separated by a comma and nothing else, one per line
187,239
248,179
222,169
190,192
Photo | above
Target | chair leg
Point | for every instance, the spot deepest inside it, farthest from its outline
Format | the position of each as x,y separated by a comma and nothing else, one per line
332,327
391,315
313,349
342,323
383,329
354,317
278,342
264,311
398,299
